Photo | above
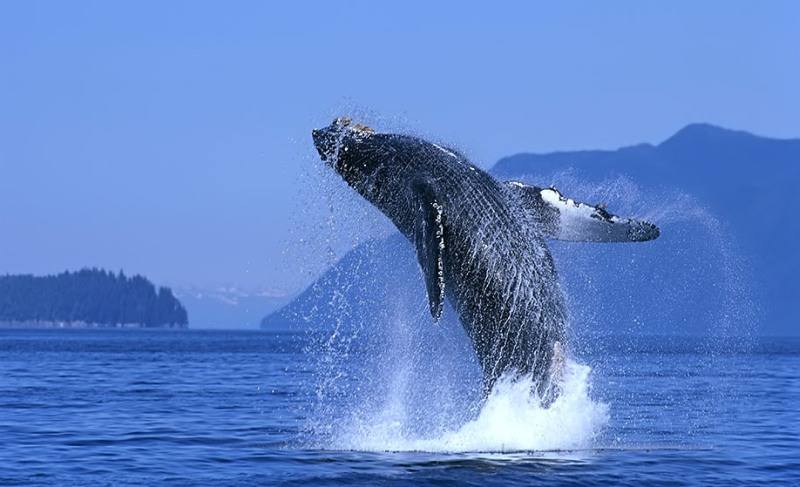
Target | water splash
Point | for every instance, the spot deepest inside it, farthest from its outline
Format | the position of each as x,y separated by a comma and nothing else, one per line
387,380
510,420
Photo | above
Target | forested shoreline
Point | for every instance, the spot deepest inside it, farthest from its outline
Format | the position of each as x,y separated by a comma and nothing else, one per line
88,298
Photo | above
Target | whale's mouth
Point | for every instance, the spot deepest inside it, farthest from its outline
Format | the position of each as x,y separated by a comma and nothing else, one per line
327,143
329,140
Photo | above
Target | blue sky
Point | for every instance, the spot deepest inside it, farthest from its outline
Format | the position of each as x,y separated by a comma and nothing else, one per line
172,138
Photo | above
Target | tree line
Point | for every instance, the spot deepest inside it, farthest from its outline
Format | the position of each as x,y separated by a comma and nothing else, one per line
91,296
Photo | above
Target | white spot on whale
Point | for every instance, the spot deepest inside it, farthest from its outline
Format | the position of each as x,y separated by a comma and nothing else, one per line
445,150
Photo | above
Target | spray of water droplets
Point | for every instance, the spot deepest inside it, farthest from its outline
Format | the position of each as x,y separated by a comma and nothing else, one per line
386,379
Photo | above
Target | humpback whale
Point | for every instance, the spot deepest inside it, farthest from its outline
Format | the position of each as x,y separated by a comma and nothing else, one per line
481,243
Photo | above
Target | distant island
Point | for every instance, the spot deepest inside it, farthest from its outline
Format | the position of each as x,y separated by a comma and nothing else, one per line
89,298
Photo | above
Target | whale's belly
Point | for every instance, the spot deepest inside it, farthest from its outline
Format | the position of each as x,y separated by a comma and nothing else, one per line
505,290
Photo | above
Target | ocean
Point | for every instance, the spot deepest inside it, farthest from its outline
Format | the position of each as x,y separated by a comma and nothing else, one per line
187,407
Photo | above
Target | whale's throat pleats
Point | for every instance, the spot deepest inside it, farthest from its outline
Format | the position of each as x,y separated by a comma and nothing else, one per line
429,242
562,218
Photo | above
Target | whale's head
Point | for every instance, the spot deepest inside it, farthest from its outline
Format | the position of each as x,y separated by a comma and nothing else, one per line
342,145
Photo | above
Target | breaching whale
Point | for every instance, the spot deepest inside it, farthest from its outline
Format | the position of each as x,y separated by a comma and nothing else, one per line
480,243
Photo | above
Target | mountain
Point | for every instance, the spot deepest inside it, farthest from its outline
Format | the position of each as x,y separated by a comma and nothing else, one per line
725,264
745,181
354,290
229,307
89,297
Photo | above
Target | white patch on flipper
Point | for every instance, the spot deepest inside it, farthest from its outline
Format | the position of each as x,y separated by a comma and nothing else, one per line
572,207
577,220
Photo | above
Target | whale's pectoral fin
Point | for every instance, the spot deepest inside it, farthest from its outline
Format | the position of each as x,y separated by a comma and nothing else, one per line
565,219
429,242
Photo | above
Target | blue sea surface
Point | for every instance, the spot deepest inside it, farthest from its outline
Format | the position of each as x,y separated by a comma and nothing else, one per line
183,407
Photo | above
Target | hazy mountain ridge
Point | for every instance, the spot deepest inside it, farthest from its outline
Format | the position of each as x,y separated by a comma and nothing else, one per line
748,181
230,306
354,286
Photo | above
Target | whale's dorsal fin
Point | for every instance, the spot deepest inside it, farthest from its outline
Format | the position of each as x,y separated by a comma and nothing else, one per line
429,243
565,219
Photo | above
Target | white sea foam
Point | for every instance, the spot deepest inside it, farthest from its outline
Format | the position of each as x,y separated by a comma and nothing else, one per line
510,420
